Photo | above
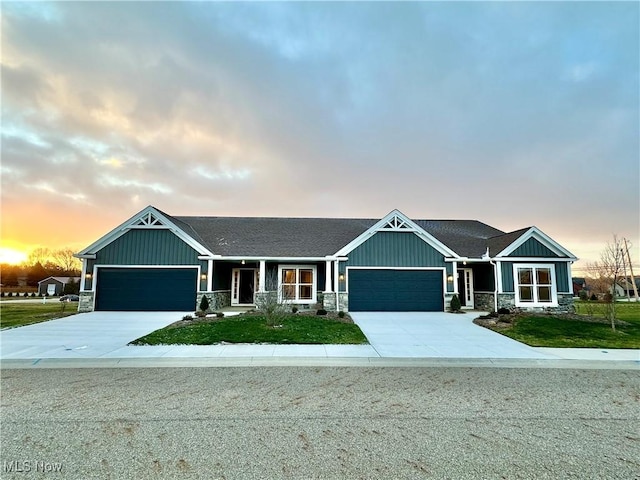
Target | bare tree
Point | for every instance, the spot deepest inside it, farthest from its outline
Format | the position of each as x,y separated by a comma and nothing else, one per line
39,255
606,272
65,260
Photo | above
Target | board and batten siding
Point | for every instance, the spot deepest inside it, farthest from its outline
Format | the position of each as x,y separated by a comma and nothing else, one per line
533,248
394,249
147,247
562,276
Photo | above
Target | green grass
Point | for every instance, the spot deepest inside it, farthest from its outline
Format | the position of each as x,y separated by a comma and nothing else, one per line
20,314
295,329
549,331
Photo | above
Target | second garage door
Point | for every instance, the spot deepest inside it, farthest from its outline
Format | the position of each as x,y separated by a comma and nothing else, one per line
382,290
148,289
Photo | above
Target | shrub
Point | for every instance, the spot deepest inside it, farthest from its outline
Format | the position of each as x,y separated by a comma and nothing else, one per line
187,317
294,310
9,294
1,294
321,311
33,295
220,314
25,294
593,297
583,295
504,311
455,304
341,314
204,303
201,314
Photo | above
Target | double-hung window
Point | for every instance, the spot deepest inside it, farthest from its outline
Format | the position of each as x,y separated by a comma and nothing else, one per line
298,283
535,285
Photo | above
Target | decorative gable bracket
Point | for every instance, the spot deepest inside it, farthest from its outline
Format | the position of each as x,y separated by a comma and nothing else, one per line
148,220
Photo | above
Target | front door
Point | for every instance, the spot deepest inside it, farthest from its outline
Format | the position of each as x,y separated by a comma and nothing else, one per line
465,287
243,286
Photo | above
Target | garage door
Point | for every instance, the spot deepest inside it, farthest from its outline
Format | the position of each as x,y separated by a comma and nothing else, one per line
149,289
395,291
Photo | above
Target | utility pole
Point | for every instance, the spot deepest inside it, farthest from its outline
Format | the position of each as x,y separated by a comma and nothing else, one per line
633,279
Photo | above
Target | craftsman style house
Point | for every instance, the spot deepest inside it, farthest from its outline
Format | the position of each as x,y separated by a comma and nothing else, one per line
155,261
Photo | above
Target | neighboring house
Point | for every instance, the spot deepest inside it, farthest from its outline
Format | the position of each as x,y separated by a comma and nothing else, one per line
54,285
155,261
580,284
624,287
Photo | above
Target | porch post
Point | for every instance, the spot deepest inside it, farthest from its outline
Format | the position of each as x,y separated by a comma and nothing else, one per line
84,266
262,275
328,287
455,277
210,275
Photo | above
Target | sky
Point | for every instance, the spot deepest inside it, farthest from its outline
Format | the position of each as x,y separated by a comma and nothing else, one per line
511,113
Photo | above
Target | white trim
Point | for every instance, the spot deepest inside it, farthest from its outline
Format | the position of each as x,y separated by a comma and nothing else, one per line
467,274
262,278
132,223
498,279
396,221
554,286
235,292
328,286
274,259
541,237
314,286
209,275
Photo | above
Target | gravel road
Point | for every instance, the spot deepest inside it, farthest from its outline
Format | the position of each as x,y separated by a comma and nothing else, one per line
320,422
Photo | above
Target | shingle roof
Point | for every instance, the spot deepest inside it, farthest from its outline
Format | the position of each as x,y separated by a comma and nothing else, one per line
500,242
318,237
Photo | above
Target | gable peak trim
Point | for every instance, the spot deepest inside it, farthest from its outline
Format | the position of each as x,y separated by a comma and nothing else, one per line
537,234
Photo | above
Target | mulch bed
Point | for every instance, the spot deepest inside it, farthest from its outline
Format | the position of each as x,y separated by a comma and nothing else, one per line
505,321
212,318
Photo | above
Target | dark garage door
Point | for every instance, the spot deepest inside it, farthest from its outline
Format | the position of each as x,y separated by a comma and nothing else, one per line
395,291
151,289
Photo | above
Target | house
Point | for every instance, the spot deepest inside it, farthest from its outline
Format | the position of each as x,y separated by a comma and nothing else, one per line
624,287
580,284
154,261
54,285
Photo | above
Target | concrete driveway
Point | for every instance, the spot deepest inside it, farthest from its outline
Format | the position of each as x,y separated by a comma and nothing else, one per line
437,334
88,335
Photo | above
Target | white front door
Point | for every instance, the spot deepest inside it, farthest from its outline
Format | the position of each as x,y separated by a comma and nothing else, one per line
465,287
244,285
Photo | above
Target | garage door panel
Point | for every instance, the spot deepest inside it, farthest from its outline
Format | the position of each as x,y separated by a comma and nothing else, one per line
395,290
146,289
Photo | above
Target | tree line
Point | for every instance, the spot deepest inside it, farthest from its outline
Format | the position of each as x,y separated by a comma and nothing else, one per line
40,264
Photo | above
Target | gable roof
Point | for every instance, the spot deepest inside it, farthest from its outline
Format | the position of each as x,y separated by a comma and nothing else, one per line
270,237
63,280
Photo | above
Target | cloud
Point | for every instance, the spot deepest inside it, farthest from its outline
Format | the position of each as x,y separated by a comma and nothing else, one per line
512,113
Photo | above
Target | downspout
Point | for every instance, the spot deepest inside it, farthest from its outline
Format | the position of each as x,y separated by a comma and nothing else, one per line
495,280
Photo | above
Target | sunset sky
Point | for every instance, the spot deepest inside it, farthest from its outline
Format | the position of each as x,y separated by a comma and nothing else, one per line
511,113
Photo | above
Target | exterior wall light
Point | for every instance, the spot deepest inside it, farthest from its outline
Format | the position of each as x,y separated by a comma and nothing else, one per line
450,278
243,262
88,276
203,276
341,277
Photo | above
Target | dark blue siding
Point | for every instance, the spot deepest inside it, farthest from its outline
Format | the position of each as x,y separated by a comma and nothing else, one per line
395,249
532,248
147,247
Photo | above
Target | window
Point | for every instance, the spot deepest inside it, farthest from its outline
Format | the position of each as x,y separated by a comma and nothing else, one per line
534,285
298,283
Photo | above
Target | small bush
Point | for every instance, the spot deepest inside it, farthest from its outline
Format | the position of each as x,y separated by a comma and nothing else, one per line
220,314
204,303
9,294
504,311
1,294
187,317
455,304
294,310
201,314
341,314
321,311
33,295
593,297
583,295
25,294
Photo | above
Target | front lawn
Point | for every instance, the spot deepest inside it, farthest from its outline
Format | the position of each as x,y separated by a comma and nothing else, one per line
580,331
20,314
295,329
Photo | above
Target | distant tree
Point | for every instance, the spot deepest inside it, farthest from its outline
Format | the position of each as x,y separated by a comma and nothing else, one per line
9,275
64,259
71,287
35,273
39,255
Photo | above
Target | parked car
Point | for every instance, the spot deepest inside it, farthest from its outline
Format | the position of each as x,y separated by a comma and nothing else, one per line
70,298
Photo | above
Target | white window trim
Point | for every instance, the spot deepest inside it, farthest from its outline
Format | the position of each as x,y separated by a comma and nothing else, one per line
314,297
535,303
